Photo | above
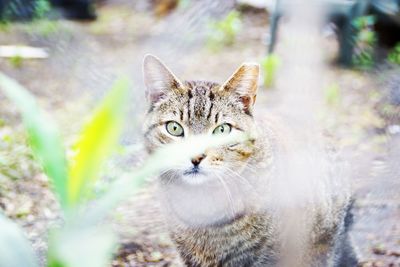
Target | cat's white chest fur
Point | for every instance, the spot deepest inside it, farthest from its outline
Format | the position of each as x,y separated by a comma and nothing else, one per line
211,202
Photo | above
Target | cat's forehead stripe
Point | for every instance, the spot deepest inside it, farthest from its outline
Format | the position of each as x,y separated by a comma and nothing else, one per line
181,114
216,117
209,111
200,99
199,106
190,95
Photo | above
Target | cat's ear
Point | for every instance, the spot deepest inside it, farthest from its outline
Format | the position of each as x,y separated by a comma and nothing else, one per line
244,83
158,79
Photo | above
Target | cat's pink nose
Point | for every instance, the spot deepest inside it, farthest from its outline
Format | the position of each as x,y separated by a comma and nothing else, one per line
196,160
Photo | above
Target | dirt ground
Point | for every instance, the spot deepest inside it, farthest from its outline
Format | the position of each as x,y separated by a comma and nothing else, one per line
84,59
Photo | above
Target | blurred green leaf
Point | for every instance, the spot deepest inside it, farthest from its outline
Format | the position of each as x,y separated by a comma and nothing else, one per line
16,61
332,94
75,247
4,25
365,42
364,21
43,136
97,141
42,7
224,32
270,65
394,55
15,249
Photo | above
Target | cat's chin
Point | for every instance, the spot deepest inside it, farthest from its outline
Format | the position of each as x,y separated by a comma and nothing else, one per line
199,200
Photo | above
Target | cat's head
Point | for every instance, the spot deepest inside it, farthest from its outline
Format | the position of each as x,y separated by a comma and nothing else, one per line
178,110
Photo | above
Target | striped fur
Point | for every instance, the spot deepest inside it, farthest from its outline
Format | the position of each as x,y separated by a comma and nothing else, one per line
246,242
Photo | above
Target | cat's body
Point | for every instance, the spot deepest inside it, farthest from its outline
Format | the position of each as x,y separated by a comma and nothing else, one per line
248,240
243,204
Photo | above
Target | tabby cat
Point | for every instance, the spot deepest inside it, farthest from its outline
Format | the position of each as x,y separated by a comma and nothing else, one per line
247,203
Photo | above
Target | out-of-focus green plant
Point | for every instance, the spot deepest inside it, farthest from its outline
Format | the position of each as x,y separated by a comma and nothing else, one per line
97,141
40,24
81,241
37,9
394,55
42,7
43,136
15,249
43,27
16,61
270,65
332,94
4,25
365,42
80,178
223,33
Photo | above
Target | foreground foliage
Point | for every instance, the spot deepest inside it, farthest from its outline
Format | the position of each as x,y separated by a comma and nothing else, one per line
80,240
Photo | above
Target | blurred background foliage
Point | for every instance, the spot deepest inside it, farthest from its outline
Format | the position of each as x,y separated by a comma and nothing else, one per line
365,40
223,32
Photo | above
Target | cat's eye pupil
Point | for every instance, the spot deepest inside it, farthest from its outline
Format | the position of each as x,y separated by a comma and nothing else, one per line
174,128
223,129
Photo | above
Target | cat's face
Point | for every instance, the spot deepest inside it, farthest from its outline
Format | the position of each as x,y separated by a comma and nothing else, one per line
180,110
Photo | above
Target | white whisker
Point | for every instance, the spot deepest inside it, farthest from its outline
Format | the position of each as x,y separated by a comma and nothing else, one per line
228,194
241,178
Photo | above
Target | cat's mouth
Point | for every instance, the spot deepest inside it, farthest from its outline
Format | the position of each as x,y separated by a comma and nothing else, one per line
195,170
195,176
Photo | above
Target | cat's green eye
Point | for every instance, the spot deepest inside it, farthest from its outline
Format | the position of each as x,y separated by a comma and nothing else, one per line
174,128
223,129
